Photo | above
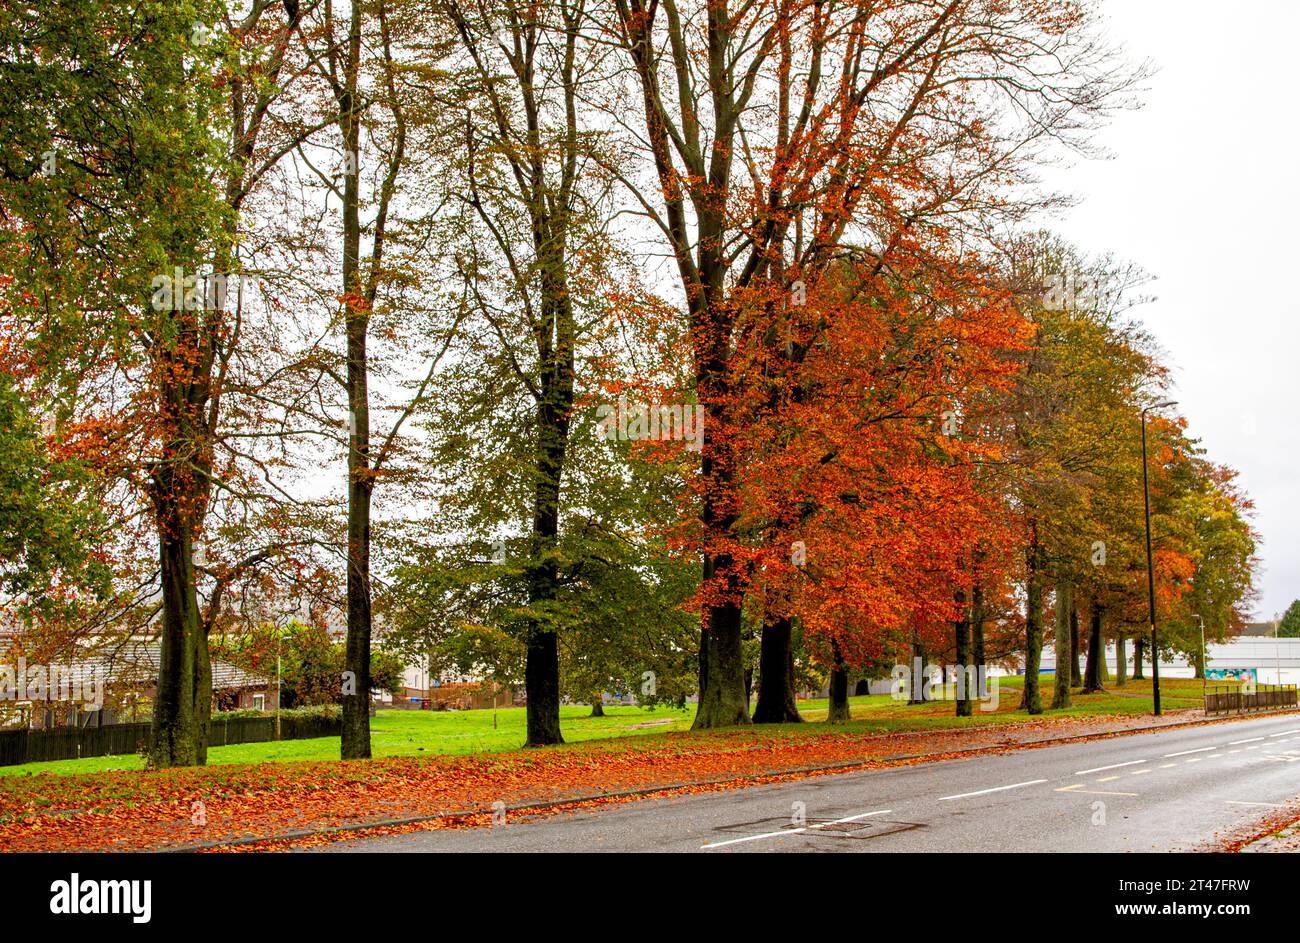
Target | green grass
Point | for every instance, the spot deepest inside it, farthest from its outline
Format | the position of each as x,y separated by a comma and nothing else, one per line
415,733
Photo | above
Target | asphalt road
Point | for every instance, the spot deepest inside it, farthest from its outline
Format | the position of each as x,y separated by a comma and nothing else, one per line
1162,791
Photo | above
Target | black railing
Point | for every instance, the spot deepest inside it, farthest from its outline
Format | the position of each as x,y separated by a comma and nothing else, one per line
1225,698
72,743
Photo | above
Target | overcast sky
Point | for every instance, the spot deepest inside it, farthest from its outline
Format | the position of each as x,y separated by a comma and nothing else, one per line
1201,189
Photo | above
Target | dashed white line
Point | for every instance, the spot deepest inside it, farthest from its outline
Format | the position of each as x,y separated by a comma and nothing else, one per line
1233,743
1102,769
1282,734
984,792
1190,752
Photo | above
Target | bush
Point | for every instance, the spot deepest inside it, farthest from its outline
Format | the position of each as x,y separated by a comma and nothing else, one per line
326,711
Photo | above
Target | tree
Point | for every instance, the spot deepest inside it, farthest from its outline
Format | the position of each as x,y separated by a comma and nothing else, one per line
868,107
534,202
123,192
51,529
305,659
1289,627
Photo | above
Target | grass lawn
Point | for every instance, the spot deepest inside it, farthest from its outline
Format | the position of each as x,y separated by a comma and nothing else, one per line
414,733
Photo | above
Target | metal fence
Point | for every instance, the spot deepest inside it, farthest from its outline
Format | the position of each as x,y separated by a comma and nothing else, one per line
71,743
1221,699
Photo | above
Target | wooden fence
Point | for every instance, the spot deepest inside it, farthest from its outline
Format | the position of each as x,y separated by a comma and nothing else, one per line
71,743
1222,699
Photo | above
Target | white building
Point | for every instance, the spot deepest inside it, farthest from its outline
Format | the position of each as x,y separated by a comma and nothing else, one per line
1275,660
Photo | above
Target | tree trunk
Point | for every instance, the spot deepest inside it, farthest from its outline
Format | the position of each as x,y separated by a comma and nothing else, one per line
1031,699
176,710
1096,653
1139,649
1076,677
355,740
722,698
977,642
179,489
1064,648
1121,661
837,710
965,679
776,694
542,687
597,705
916,673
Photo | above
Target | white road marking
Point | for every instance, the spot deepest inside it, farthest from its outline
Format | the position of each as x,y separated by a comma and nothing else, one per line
984,792
1270,805
1282,734
1099,792
795,831
1102,769
1190,752
1233,743
1106,779
1078,789
1139,772
1166,766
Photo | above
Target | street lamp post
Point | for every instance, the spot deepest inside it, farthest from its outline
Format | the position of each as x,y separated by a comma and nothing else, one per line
279,685
1201,619
1151,578
1277,646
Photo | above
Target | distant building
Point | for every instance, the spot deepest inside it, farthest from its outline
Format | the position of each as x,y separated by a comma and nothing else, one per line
107,688
1257,629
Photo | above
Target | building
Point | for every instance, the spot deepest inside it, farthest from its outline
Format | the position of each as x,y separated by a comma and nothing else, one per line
1272,660
108,688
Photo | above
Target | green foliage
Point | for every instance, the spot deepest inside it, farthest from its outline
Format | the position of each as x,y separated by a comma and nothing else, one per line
49,523
328,711
311,663
1290,625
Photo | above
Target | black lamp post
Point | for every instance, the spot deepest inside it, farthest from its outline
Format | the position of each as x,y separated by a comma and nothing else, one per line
1151,577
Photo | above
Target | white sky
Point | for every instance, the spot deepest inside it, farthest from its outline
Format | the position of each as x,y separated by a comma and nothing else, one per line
1202,190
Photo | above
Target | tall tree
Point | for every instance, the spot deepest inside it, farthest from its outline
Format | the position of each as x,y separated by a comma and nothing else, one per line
868,107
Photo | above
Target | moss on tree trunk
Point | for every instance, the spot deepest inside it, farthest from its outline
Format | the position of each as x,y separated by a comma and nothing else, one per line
1063,648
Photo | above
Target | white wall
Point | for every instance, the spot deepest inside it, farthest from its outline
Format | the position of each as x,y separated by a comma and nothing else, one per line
1276,661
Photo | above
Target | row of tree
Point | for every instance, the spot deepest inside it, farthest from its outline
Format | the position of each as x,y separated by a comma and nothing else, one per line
657,343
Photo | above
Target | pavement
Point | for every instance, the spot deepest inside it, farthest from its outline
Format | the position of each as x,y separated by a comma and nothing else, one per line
1166,790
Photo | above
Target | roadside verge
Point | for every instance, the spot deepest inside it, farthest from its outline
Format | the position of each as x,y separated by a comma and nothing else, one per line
293,805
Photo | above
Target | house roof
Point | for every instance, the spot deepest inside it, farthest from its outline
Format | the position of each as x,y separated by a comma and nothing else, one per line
1258,629
136,664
